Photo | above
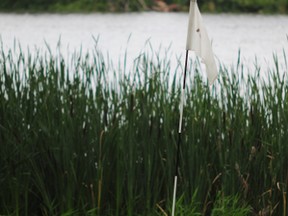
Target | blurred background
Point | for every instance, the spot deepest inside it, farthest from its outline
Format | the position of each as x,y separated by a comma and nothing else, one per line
267,6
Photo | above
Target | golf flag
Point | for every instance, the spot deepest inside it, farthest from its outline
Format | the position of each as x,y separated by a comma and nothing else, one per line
198,41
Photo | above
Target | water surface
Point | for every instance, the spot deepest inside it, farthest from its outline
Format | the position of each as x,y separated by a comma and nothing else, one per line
254,35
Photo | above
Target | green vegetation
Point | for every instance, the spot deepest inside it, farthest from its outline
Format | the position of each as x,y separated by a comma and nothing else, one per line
247,6
79,137
254,6
72,5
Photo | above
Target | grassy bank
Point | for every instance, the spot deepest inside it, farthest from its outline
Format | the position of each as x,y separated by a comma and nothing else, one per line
77,141
68,6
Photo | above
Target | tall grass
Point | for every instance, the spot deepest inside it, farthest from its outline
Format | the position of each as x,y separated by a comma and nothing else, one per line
79,137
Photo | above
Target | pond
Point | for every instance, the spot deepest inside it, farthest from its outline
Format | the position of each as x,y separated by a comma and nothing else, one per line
254,35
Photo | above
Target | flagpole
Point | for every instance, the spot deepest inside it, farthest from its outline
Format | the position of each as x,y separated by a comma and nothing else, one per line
198,41
179,133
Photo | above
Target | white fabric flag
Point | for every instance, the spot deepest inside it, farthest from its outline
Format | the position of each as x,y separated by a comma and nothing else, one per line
198,41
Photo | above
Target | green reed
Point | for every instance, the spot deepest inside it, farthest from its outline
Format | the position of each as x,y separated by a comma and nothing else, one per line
79,137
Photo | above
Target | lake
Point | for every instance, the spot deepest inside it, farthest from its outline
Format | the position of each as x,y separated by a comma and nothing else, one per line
254,35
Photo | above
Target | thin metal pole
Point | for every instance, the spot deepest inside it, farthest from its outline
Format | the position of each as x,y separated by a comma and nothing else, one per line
179,133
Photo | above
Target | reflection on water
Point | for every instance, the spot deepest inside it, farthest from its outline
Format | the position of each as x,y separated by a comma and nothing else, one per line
254,34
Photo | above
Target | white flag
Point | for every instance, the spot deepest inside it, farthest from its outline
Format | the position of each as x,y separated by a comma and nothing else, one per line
198,41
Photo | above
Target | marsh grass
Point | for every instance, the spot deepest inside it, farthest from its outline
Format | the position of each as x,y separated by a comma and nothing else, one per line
76,140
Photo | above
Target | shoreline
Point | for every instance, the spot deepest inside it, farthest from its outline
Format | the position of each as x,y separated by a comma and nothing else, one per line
157,6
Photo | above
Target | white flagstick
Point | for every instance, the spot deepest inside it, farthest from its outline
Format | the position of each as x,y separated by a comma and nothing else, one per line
198,41
179,134
174,195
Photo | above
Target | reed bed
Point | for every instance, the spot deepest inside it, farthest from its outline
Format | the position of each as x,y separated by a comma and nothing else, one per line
80,137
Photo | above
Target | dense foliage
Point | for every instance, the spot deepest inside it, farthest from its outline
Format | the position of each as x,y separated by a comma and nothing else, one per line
260,6
83,138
